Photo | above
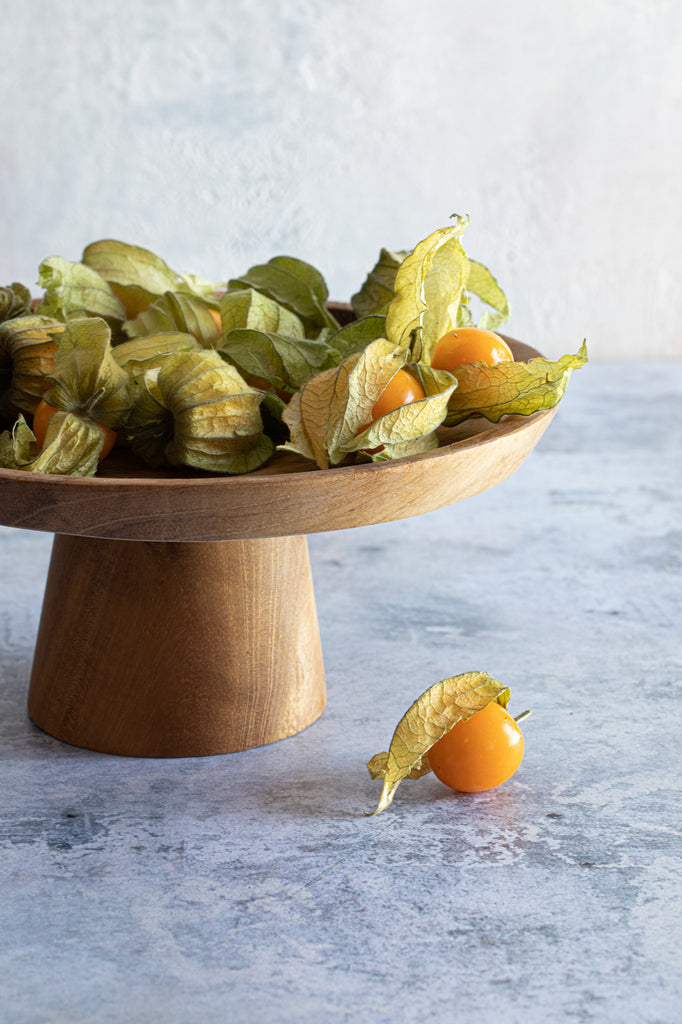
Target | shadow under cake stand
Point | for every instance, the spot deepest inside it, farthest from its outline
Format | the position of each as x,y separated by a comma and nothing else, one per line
179,614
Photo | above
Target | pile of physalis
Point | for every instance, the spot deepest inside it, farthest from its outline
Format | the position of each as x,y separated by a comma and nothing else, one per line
218,376
459,729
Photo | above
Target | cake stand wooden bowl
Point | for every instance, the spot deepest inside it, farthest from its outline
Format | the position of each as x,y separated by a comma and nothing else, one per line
179,614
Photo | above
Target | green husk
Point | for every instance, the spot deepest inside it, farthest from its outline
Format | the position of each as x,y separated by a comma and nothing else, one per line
174,311
17,446
247,309
284,362
15,300
328,419
137,276
377,292
357,335
428,290
481,283
73,290
197,411
150,352
28,348
511,388
71,447
86,380
294,284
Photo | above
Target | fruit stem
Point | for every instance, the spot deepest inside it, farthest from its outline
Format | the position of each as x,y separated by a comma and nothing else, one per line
524,714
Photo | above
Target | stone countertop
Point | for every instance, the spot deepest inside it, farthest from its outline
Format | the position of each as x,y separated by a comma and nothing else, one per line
251,888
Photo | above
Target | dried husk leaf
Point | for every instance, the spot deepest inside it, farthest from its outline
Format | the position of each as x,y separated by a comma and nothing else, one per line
197,411
294,284
431,716
428,290
148,353
150,422
283,362
86,379
137,276
28,347
378,765
17,445
357,335
408,430
74,290
377,292
337,403
299,441
306,273
511,388
15,300
482,284
174,311
71,448
247,309
330,417
369,374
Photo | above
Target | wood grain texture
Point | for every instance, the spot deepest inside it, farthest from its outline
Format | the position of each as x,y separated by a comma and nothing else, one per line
286,497
175,650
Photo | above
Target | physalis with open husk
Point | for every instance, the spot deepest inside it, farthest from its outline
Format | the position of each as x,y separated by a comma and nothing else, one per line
333,391
432,291
431,717
90,392
332,417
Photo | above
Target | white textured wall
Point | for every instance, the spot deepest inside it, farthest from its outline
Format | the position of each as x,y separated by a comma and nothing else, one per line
220,134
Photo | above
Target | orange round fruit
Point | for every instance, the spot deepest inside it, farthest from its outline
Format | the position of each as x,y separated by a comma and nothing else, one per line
401,389
479,753
470,345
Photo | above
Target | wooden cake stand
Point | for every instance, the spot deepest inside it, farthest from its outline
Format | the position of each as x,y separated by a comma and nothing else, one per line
179,615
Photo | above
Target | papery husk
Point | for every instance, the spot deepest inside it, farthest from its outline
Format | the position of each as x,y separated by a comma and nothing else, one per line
138,276
86,379
197,411
411,428
73,291
150,352
280,361
149,428
431,716
247,309
186,314
428,290
18,445
356,335
484,286
328,419
71,447
15,300
377,292
511,388
295,284
28,348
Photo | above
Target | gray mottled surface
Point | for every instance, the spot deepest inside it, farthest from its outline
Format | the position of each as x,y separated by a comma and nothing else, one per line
251,888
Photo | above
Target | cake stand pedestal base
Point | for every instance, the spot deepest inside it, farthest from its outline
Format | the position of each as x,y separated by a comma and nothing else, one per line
156,649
